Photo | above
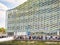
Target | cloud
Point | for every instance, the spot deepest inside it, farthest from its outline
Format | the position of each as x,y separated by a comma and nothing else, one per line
12,3
3,7
15,2
20,2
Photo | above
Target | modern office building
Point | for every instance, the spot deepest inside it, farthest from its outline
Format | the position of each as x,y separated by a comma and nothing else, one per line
35,16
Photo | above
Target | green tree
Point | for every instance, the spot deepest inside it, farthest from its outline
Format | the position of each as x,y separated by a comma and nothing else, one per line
2,30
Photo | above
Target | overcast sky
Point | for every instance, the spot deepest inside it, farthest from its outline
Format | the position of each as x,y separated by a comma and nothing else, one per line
5,5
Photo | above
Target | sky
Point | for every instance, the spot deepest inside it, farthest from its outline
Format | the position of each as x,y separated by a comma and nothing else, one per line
6,5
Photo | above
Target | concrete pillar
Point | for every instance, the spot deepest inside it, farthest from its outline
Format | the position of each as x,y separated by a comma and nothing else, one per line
43,37
57,32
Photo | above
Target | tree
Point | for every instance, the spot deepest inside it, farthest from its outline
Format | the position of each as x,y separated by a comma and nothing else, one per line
2,30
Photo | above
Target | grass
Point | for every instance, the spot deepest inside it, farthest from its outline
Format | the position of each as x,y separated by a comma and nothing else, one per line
29,43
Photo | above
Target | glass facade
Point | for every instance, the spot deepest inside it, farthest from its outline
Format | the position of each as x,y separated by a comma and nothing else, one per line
38,15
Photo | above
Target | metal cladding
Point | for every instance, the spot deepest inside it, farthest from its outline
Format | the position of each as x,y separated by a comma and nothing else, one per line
35,16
